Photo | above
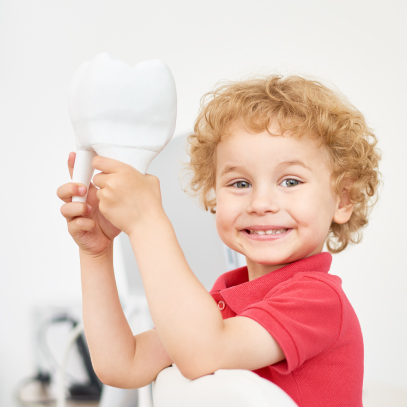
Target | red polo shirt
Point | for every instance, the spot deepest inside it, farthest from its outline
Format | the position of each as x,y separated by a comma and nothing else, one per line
306,311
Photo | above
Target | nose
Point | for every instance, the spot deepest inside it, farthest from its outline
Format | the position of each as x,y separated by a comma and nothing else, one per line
263,201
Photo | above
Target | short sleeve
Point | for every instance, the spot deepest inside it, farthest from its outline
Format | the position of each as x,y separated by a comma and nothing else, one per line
304,315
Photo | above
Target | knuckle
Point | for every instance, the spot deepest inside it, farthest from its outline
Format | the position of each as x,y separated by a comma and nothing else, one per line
80,222
102,207
61,192
72,226
73,188
101,195
153,179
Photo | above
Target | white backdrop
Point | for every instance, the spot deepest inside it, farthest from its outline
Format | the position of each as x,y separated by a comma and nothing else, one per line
359,46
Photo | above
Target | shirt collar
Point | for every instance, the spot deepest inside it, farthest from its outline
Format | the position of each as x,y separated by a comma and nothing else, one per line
239,293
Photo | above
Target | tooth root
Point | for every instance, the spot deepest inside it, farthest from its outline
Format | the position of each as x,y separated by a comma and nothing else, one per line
83,171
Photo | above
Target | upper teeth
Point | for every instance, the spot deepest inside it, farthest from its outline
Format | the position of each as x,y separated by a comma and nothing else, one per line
268,232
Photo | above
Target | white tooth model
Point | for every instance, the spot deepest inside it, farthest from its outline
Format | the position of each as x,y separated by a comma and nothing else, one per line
120,112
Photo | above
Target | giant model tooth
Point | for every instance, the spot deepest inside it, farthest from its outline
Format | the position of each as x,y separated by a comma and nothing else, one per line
120,112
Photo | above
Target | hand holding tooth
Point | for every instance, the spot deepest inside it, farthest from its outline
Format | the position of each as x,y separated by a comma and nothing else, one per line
127,114
126,197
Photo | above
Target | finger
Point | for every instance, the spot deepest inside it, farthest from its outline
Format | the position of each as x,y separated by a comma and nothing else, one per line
72,210
100,179
71,162
67,191
77,226
107,165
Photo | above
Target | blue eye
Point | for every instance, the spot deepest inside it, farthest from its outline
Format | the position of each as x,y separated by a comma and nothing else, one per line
241,184
290,182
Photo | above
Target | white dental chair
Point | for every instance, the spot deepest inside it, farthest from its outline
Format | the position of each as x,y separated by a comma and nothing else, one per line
224,388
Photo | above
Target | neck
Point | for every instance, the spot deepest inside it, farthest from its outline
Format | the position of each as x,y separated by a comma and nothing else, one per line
256,270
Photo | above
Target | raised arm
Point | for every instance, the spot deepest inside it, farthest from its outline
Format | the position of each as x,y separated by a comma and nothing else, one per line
186,317
118,358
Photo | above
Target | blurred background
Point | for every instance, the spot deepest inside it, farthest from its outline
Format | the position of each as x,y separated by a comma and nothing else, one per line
357,46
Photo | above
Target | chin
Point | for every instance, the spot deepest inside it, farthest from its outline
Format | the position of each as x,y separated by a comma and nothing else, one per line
271,261
280,259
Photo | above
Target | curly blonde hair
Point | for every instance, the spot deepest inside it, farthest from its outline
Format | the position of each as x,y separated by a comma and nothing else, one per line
302,107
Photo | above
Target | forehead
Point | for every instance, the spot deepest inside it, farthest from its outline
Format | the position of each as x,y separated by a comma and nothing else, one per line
266,151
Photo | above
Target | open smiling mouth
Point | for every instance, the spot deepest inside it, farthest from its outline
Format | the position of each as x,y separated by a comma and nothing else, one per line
266,232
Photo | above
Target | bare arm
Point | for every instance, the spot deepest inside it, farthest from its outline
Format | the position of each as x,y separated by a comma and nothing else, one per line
119,358
115,356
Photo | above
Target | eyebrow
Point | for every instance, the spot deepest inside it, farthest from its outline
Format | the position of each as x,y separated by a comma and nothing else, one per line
231,168
294,162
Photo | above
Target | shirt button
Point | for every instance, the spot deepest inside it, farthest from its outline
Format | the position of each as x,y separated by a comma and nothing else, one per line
221,305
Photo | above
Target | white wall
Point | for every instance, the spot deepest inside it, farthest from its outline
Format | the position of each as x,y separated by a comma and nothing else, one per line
357,45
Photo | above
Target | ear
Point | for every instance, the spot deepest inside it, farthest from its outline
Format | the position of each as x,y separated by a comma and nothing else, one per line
344,207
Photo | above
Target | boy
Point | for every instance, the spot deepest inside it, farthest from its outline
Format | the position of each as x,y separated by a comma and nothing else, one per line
288,165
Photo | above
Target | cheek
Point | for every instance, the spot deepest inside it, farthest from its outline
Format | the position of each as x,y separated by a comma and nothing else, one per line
225,214
313,211
317,216
223,227
222,218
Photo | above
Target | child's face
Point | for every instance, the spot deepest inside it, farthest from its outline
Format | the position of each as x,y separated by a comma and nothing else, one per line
276,184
